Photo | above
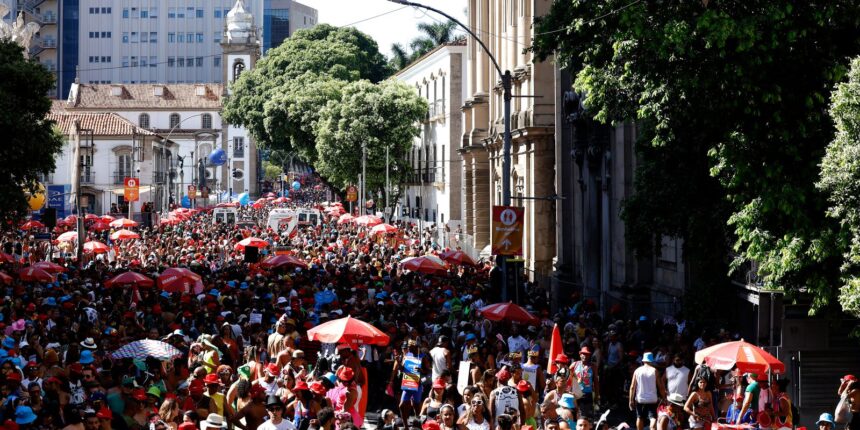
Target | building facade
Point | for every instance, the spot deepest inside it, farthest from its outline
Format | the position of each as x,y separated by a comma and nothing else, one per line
433,195
44,46
282,18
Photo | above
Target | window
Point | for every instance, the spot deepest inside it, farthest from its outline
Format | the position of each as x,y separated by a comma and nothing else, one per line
153,61
238,68
217,37
153,12
198,61
94,35
174,120
135,13
180,38
144,37
206,121
189,62
125,12
94,10
144,13
171,37
153,37
217,13
134,37
106,35
107,10
94,59
216,61
180,62
123,165
189,37
200,13
171,12
171,61
134,62
143,120
180,12
125,61
124,37
142,62
106,59
199,37
238,147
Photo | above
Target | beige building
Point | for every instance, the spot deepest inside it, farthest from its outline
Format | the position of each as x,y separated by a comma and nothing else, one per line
505,26
44,45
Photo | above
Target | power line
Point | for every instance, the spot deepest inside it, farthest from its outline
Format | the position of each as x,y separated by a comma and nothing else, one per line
611,12
374,17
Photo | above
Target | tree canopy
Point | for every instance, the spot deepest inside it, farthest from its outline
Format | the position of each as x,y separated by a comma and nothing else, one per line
31,141
432,35
731,101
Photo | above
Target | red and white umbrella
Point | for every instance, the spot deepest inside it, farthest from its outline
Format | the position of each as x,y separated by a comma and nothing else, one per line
345,218
123,223
281,200
30,225
180,280
34,274
458,257
743,355
69,236
124,235
107,218
251,241
95,247
383,229
283,262
129,279
170,220
100,226
424,264
368,220
91,217
49,267
348,330
72,219
508,312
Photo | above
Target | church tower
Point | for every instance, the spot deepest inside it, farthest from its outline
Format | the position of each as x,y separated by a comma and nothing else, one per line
240,50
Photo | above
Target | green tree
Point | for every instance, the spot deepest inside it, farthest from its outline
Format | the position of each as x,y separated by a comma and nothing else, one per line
374,116
730,99
399,57
279,99
433,35
31,141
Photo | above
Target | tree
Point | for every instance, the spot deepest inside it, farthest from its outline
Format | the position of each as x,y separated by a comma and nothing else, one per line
374,116
278,100
730,99
31,141
399,57
840,179
434,34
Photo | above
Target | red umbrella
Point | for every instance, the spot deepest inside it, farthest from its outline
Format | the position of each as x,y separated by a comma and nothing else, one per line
272,195
459,258
424,264
179,280
129,278
100,226
746,356
124,235
368,220
33,274
29,225
49,267
92,217
383,229
283,262
6,258
345,218
281,200
72,219
69,236
95,247
123,223
170,220
508,312
6,279
251,241
107,218
348,330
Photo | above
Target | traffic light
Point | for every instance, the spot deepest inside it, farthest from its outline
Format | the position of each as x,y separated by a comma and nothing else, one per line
237,174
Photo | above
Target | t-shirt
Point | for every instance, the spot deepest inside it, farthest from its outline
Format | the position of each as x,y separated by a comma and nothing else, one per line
754,389
677,378
283,425
507,401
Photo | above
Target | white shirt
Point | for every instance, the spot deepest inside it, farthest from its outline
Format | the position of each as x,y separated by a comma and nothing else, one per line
646,384
677,380
440,364
285,424
518,343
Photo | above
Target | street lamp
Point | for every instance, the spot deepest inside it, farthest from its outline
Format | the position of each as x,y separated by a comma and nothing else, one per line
166,141
506,160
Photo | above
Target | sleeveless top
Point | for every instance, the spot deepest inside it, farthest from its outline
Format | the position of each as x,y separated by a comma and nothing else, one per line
646,384
584,374
507,401
779,421
472,425
677,380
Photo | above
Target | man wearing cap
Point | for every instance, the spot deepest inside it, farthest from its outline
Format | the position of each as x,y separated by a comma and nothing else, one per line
217,402
268,380
750,397
646,389
587,376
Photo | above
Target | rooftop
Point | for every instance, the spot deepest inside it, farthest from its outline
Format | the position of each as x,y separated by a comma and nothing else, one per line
145,96
102,124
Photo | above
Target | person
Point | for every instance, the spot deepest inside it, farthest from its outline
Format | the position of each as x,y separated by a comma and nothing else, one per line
505,422
433,403
842,414
854,399
583,424
567,409
825,422
532,371
678,377
252,413
700,406
587,376
528,397
410,365
646,389
213,422
476,416
504,399
669,417
345,396
781,408
276,421
751,394
440,357
447,417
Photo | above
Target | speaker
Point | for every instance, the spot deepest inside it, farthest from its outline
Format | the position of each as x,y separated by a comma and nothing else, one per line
49,217
252,254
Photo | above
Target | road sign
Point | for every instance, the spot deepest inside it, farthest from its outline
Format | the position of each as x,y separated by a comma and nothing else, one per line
192,192
351,193
131,193
507,230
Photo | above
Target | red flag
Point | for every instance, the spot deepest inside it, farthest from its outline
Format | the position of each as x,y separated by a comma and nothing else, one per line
555,348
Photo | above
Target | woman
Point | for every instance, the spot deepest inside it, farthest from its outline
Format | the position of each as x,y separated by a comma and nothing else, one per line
447,417
488,383
345,395
302,408
476,416
433,402
700,406
169,413
468,393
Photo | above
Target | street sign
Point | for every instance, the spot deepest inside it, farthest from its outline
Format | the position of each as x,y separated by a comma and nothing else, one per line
351,193
192,192
131,193
507,230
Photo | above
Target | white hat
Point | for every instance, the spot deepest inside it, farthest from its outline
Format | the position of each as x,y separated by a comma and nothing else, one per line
89,343
282,300
213,421
676,398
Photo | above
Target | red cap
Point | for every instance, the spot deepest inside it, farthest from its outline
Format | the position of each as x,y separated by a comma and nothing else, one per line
317,388
31,307
851,378
257,389
523,386
301,386
104,413
273,369
212,379
139,394
196,386
430,425
561,358
439,383
345,373
13,376
503,375
53,380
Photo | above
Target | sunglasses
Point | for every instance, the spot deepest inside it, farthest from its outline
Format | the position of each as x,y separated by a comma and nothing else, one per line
477,402
275,409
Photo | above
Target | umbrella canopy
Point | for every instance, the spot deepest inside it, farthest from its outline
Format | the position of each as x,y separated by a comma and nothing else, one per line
281,200
69,236
30,225
107,218
5,278
49,267
71,219
424,264
95,247
91,217
123,223
147,348
180,280
129,278
124,235
383,229
348,330
284,262
170,220
459,258
100,226
746,356
368,220
508,312
34,274
6,258
345,218
251,241
270,194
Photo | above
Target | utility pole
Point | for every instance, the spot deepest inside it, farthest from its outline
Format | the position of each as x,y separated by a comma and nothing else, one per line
387,188
78,224
363,178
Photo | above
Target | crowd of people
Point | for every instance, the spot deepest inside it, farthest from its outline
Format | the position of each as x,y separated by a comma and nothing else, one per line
246,361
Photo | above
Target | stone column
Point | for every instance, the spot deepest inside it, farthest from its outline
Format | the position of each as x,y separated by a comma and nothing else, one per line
481,182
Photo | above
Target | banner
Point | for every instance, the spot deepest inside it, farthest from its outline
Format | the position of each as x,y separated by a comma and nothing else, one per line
507,230
463,376
411,374
131,193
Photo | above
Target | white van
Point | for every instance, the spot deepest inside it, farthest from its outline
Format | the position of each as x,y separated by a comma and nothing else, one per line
225,215
310,216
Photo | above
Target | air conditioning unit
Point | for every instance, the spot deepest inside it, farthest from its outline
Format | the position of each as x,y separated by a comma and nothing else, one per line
200,90
158,91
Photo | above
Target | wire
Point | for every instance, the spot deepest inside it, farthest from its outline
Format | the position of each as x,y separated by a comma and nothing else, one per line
594,19
373,17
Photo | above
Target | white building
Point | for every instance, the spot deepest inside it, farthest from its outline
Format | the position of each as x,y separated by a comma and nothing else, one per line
434,192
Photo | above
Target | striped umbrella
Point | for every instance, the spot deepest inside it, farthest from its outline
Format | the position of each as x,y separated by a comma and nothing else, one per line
147,348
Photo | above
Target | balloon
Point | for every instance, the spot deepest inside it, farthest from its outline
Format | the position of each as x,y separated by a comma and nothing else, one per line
244,199
37,199
218,157
186,202
296,185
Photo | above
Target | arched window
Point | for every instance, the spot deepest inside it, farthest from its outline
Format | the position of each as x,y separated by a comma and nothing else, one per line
174,120
206,121
238,68
143,120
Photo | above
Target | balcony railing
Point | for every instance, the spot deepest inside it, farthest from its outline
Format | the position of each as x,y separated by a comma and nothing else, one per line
239,153
88,176
49,18
49,43
159,177
119,177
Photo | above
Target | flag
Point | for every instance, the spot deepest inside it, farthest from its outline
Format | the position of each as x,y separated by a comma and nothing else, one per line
555,348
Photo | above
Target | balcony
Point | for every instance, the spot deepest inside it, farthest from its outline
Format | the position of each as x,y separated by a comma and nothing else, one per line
159,177
239,153
119,177
49,43
88,176
436,110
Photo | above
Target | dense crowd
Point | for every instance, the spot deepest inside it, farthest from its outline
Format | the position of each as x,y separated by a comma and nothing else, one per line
245,360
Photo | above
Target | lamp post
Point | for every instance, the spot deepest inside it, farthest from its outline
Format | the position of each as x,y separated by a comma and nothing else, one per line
505,77
166,141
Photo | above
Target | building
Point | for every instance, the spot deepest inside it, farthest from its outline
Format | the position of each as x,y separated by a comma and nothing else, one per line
188,114
505,27
44,46
434,192
281,18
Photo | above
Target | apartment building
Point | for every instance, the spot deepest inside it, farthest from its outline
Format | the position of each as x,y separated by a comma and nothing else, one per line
281,18
44,45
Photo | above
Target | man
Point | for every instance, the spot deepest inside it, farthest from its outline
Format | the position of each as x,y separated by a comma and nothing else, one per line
276,341
504,400
91,420
549,413
276,421
348,357
254,412
678,377
751,395
532,371
670,418
825,422
854,397
268,381
586,374
646,389
440,357
583,424
516,342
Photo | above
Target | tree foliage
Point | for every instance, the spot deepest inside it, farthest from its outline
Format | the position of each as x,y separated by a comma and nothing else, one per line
31,141
374,116
731,101
279,99
432,35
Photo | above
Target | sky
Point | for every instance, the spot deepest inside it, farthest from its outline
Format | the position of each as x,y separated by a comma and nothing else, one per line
399,26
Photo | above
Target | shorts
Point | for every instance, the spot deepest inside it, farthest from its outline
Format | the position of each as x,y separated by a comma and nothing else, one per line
413,397
646,411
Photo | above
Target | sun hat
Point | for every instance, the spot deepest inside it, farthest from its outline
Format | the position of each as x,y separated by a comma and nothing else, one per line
567,401
212,379
345,374
676,399
272,369
86,357
826,418
24,415
430,425
89,343
523,386
318,388
301,386
561,358
648,357
197,386
503,375
330,377
213,420
139,394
